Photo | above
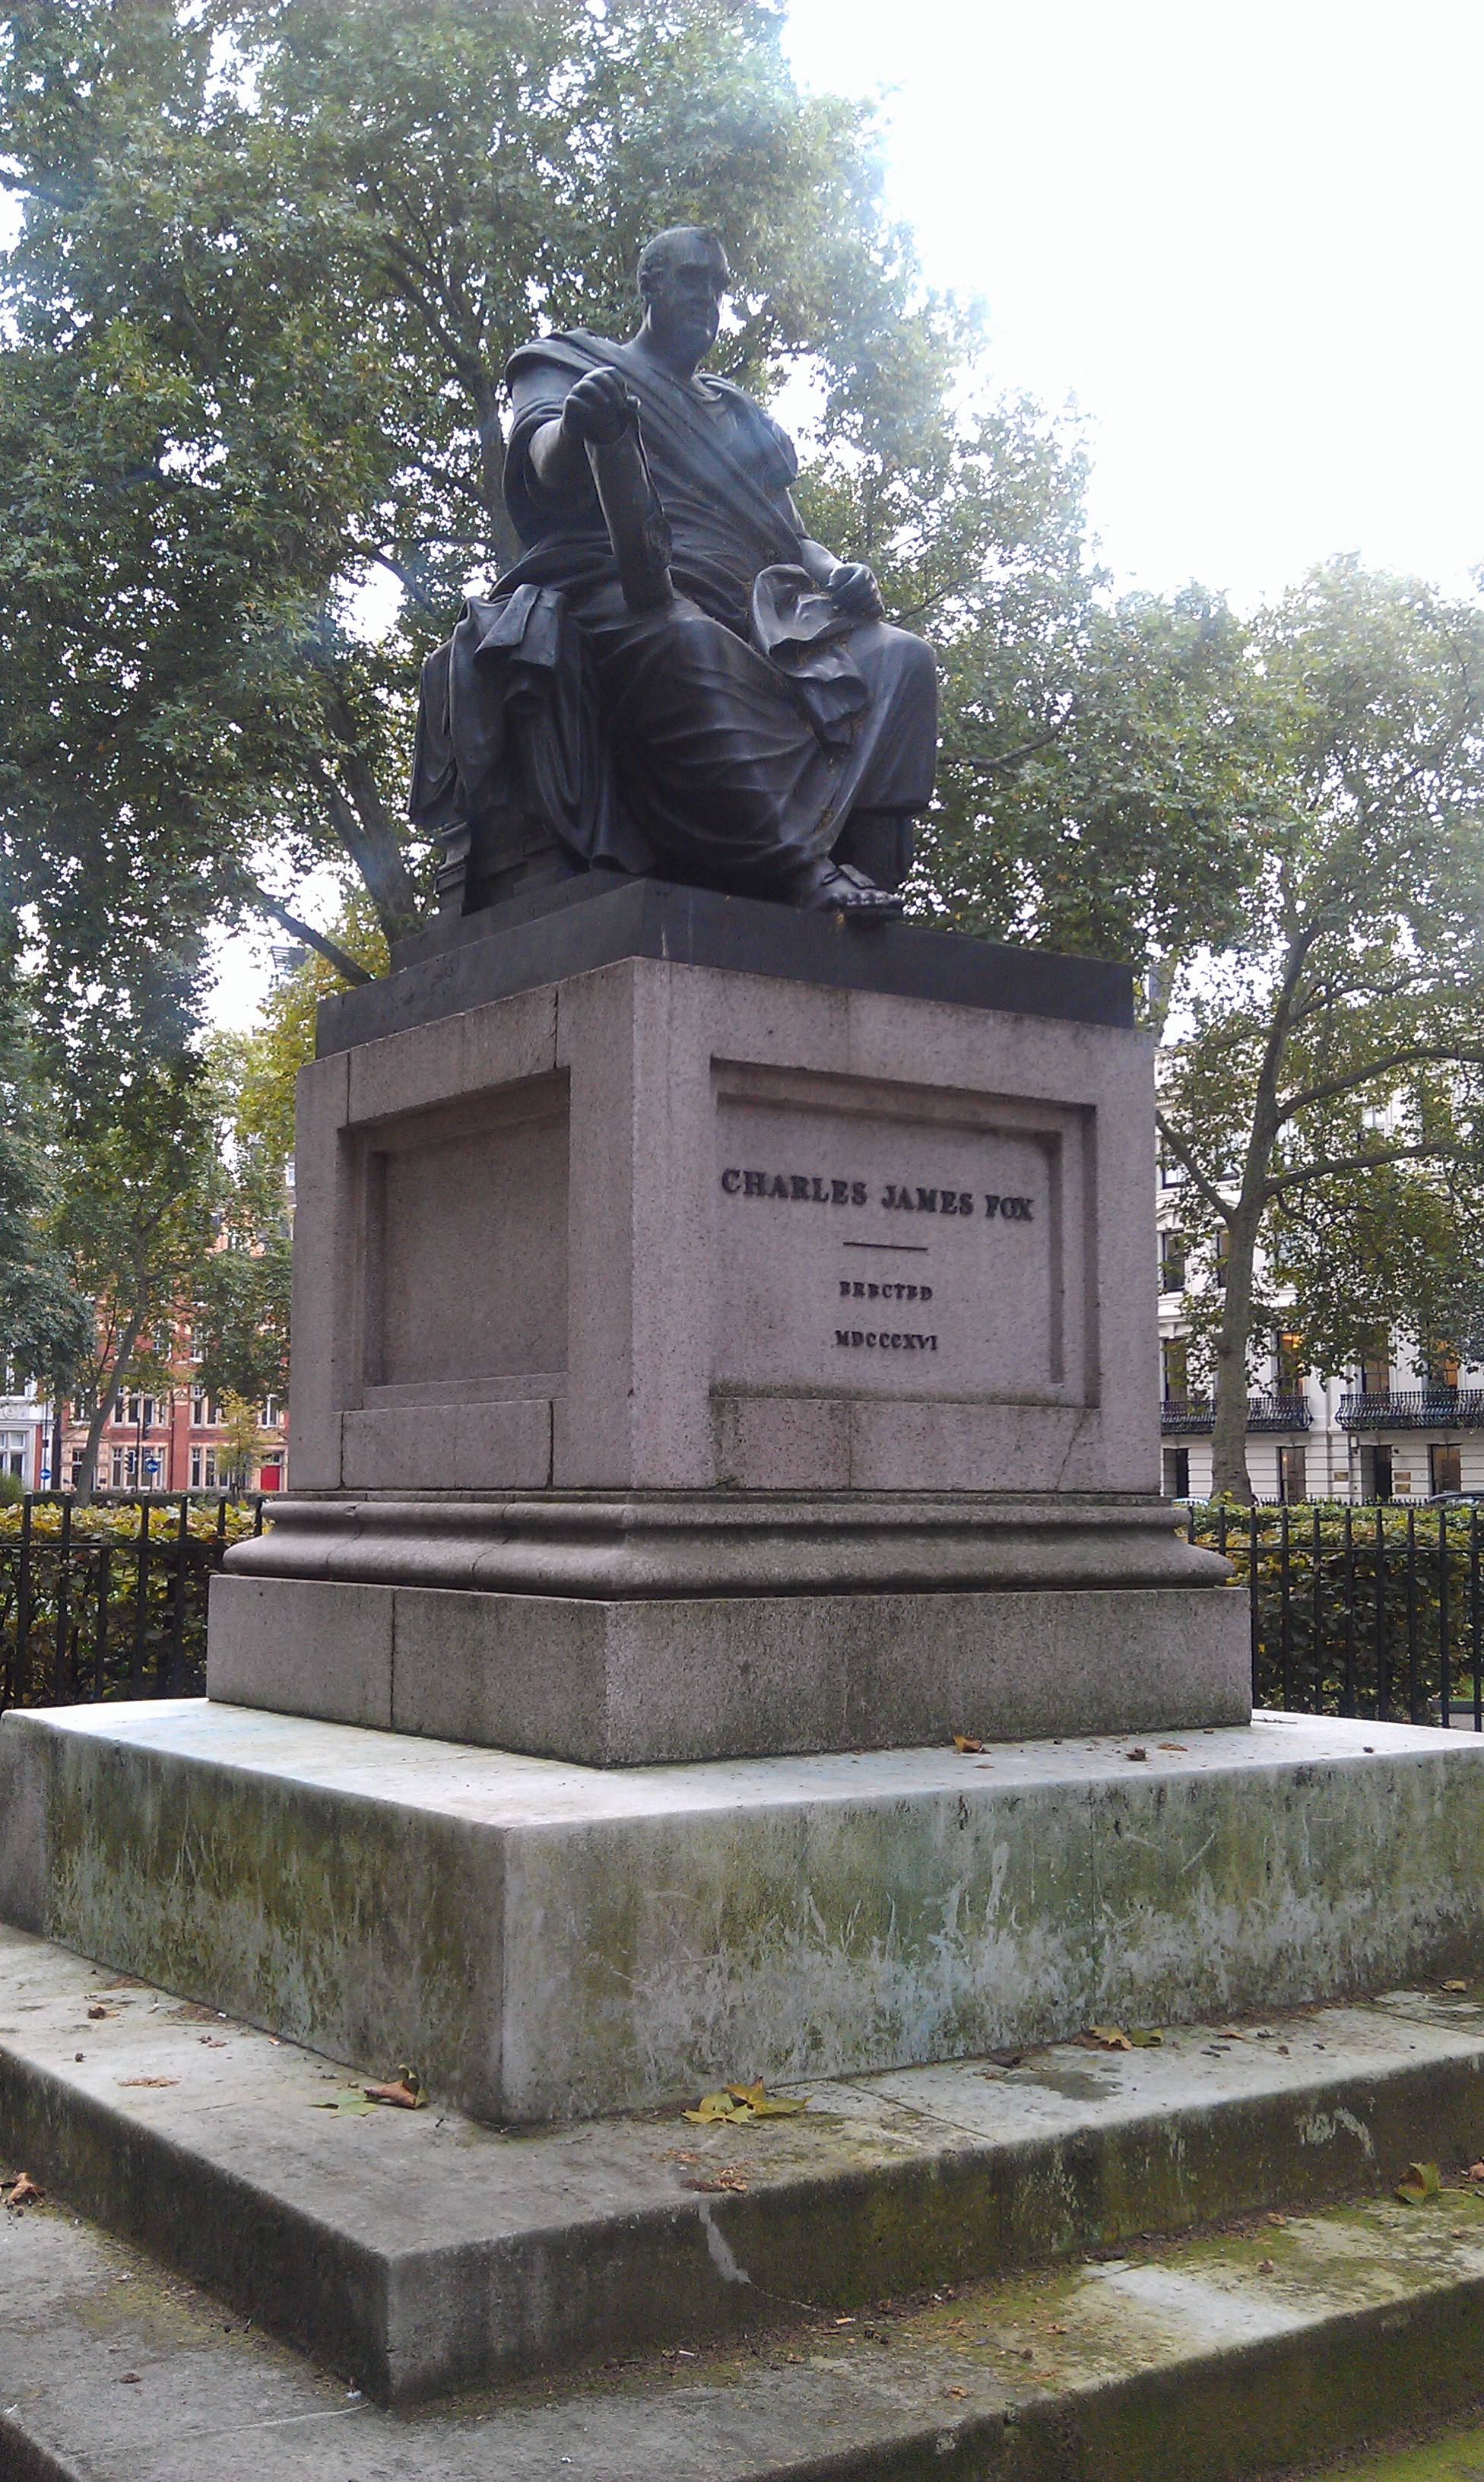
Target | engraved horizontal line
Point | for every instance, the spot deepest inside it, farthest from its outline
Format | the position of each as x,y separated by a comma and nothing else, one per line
919,1249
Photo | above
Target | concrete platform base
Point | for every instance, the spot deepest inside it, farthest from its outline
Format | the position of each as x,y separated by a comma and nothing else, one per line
548,1941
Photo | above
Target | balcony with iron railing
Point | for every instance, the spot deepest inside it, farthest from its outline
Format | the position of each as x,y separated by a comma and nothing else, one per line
1414,1408
1191,1416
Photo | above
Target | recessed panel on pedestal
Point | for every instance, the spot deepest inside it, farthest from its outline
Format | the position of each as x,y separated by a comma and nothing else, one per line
896,1241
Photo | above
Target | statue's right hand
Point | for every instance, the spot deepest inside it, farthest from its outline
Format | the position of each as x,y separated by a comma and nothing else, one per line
599,409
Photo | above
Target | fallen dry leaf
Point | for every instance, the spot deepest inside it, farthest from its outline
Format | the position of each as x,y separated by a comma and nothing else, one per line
1148,2039
1106,2038
403,2093
966,1742
1174,1745
150,2081
1277,2219
739,2105
1137,1752
25,2192
213,2042
191,2012
1455,1986
1422,2181
1267,2266
1056,2327
128,2378
719,2107
729,2180
355,2106
1475,2172
955,2391
98,2010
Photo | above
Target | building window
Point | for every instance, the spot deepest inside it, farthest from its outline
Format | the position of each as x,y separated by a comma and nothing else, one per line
1376,1473
1289,1359
1376,1375
1223,1252
203,1468
1172,1262
1440,1368
120,1468
1291,1481
1174,1355
197,1410
1445,1468
272,1413
12,1453
1176,1478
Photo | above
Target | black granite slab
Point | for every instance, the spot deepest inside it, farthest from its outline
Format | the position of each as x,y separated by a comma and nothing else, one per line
597,920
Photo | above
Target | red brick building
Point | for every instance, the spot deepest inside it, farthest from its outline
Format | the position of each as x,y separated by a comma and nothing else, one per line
173,1438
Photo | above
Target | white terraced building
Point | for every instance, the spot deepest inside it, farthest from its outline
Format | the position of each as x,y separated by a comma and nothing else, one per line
1394,1429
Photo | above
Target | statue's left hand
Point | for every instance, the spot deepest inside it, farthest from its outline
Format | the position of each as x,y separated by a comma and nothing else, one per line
855,590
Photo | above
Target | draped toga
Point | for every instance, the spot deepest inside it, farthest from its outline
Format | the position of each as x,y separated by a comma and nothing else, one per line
727,737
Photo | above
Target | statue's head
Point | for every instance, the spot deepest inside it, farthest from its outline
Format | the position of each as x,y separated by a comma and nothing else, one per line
683,277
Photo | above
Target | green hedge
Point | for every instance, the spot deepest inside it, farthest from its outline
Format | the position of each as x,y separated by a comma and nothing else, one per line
1395,1588
104,1652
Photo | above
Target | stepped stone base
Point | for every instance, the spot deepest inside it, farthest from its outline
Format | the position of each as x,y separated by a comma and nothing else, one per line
424,2251
547,1941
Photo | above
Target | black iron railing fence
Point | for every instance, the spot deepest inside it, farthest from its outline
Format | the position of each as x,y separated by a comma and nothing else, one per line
1367,1611
1267,1412
1352,1610
107,1598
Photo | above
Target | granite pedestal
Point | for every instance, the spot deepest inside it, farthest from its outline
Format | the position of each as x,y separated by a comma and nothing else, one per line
707,1342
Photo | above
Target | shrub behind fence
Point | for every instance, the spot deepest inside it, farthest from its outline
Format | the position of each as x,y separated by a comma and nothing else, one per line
108,1599
1358,1610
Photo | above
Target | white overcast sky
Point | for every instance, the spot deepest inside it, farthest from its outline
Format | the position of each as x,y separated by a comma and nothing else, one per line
1246,240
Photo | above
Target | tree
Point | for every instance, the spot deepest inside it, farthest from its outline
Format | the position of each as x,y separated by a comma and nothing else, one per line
44,1323
1329,1072
140,1176
273,259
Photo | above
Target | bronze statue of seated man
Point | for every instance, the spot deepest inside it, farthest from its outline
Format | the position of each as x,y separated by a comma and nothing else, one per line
674,678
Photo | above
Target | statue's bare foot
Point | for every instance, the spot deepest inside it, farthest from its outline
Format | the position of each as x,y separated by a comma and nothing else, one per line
839,888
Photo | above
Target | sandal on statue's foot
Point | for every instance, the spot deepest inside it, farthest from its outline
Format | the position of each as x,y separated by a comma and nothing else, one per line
839,888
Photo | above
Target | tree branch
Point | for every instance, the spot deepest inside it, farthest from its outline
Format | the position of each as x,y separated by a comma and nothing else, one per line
1413,1058
332,954
1177,1146
1014,759
1373,1159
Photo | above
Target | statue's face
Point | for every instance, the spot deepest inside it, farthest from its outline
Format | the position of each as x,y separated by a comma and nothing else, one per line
683,295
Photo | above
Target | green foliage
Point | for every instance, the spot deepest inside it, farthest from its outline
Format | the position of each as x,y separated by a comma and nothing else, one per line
283,1039
109,1646
44,1323
272,262
1370,1595
1325,1096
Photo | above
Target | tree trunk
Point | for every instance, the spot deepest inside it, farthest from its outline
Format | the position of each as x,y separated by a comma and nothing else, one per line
108,1397
360,820
1229,1475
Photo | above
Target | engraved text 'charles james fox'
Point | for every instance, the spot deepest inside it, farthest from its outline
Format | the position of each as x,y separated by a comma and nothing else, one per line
813,1190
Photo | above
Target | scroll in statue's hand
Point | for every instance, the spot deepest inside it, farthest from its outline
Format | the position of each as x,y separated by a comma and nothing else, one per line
599,409
854,590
